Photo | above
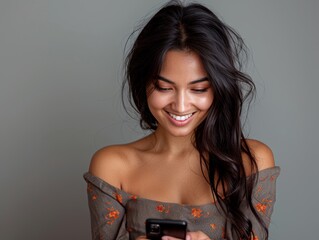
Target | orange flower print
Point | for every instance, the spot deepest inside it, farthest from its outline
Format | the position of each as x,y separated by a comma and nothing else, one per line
112,215
94,197
133,197
213,226
119,197
196,212
261,208
255,238
162,209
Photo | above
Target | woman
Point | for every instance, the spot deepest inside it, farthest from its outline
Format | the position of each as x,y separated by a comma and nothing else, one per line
184,79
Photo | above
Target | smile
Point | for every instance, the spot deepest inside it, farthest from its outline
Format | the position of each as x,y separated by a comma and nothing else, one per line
181,117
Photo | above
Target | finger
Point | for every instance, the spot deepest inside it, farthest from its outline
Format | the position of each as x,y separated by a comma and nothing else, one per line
170,238
141,238
199,235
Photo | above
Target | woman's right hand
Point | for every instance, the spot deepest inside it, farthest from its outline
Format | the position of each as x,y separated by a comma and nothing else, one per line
199,235
141,238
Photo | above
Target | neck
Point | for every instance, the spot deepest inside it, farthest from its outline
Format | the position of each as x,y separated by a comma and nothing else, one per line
172,145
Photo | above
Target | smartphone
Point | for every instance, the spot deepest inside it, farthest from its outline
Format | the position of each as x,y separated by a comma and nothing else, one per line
156,228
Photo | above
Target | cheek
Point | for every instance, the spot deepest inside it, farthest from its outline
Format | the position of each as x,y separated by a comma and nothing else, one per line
157,101
204,103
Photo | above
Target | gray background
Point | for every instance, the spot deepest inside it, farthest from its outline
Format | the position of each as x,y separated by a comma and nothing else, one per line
60,76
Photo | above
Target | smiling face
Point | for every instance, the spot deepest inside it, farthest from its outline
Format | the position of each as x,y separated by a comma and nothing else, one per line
182,94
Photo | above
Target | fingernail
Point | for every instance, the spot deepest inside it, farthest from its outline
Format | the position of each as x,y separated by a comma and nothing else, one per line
188,237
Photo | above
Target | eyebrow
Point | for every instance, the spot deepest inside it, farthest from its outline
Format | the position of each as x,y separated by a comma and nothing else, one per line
204,79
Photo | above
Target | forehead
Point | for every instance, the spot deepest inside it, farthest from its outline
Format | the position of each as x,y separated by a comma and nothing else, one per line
179,64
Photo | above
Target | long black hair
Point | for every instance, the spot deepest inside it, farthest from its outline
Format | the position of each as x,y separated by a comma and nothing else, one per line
219,138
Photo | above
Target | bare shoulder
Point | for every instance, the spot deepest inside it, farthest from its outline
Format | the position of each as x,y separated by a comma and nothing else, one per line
114,164
263,154
109,164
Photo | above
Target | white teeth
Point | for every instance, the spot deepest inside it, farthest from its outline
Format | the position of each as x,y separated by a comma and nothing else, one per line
180,118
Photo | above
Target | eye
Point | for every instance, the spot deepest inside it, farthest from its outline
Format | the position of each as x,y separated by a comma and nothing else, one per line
162,89
200,90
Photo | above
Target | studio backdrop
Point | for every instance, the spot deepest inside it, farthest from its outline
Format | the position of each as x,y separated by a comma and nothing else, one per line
61,67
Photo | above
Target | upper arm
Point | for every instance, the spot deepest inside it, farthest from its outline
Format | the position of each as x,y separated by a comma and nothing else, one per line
108,165
106,204
262,153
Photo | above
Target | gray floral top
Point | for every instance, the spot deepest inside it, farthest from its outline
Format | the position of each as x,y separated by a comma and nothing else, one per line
116,214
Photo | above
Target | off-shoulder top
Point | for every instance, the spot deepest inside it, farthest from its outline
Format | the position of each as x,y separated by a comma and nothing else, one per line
116,214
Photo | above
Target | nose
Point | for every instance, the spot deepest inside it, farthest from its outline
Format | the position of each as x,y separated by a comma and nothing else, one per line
181,102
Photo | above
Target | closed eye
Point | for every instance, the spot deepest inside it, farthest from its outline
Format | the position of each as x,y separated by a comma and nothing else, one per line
163,89
200,90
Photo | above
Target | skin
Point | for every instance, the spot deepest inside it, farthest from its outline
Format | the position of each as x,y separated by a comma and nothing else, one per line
168,156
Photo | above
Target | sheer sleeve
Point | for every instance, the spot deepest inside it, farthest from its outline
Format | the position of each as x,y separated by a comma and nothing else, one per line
264,197
107,209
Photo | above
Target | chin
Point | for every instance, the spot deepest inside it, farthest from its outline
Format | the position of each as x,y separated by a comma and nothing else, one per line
181,133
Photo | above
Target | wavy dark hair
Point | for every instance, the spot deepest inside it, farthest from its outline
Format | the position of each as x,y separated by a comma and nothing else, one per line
219,138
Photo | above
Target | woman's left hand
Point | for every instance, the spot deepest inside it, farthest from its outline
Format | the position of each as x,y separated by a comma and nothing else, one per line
199,235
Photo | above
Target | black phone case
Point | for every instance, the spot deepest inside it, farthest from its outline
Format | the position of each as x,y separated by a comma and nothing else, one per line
156,228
